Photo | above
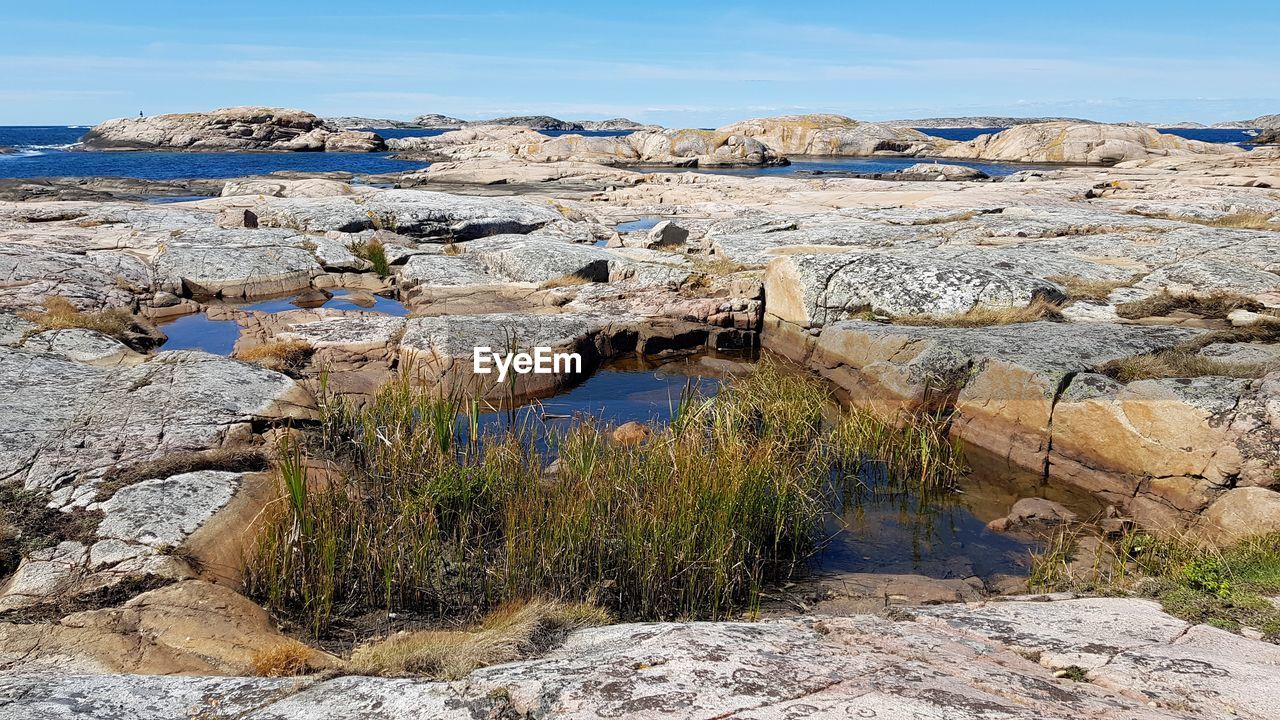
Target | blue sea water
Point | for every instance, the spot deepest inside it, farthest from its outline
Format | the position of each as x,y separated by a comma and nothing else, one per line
861,165
1213,135
45,151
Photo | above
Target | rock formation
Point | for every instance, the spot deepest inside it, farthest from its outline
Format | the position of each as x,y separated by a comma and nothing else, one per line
1093,144
831,135
680,148
242,128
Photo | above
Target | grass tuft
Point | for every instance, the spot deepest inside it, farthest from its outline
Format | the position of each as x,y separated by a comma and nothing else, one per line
1178,363
374,252
60,314
284,660
985,316
570,280
228,459
515,631
1079,288
1215,305
287,356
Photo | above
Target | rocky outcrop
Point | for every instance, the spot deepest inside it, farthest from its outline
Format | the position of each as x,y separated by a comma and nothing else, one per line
1092,144
1267,137
680,148
189,628
69,423
941,171
960,662
813,290
1162,450
415,213
831,135
241,128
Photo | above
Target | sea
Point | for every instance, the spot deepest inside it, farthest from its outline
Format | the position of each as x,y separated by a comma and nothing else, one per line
49,151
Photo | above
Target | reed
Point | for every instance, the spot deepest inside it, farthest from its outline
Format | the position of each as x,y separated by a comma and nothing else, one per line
422,509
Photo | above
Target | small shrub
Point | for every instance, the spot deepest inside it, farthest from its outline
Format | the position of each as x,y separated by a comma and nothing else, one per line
1224,587
1215,305
1207,575
285,660
287,356
514,631
451,249
985,316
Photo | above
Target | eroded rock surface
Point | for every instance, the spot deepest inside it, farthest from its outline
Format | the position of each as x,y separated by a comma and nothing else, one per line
954,662
1093,144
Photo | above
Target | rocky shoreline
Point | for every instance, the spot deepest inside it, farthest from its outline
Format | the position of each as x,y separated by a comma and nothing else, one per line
1110,328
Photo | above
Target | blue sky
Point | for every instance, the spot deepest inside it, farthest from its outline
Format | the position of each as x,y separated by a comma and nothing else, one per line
678,63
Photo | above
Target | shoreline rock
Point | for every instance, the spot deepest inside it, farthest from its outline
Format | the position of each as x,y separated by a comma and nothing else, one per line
832,135
1085,144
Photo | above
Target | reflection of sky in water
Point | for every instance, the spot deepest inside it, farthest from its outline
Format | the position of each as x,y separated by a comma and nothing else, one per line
944,536
198,332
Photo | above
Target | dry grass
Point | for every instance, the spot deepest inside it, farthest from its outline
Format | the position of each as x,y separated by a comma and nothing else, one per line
984,316
514,631
1177,363
428,511
717,265
286,660
570,280
1215,305
289,356
451,249
1241,221
1079,288
60,314
228,459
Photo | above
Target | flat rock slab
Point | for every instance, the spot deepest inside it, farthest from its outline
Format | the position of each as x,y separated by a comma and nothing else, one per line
69,422
957,662
415,213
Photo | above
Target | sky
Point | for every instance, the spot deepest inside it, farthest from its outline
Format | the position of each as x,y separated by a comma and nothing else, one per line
681,64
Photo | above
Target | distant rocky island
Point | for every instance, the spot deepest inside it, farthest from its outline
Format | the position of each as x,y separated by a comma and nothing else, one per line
982,121
436,121
238,128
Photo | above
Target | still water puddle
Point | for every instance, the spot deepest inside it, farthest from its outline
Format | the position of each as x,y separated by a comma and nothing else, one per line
200,332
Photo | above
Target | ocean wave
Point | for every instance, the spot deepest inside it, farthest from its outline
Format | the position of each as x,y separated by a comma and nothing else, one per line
66,146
